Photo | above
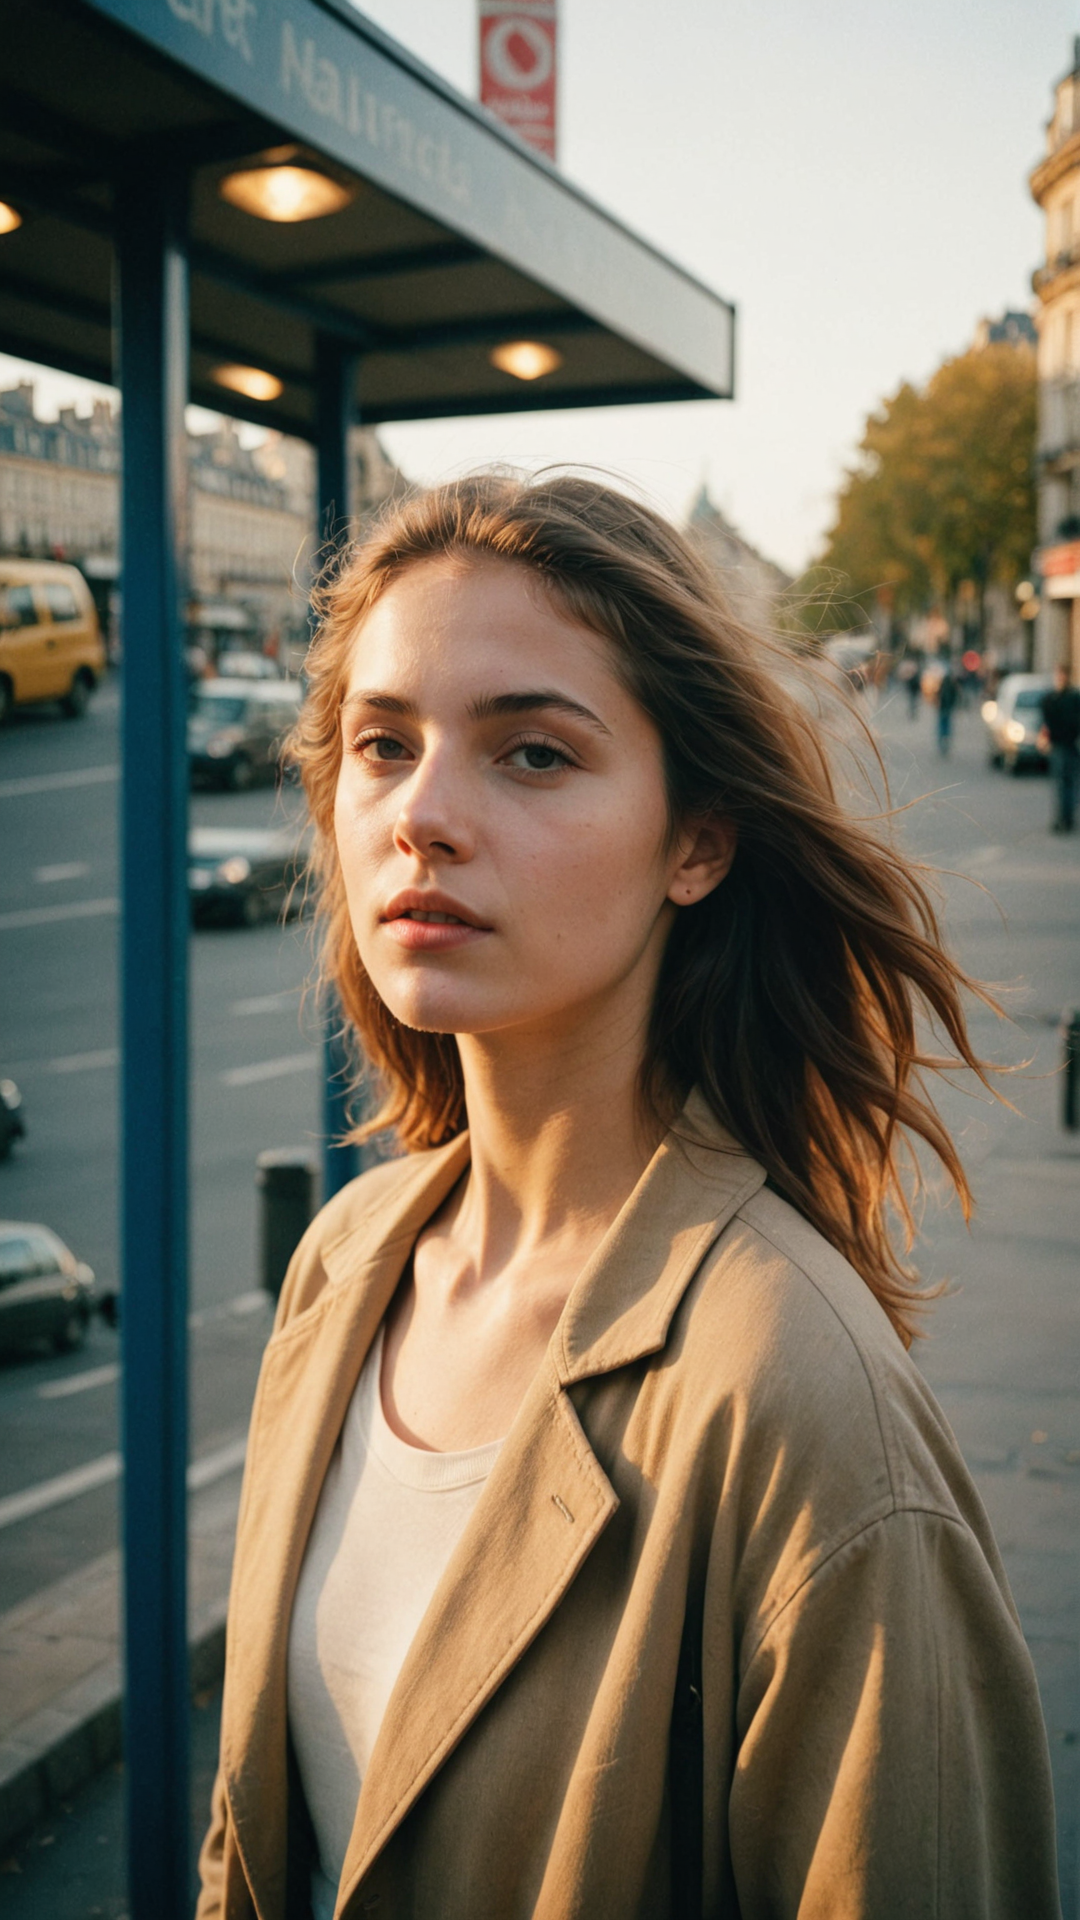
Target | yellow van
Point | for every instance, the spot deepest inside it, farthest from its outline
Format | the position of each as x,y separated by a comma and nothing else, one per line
50,642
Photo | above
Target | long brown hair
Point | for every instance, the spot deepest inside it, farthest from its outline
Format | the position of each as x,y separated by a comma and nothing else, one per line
791,995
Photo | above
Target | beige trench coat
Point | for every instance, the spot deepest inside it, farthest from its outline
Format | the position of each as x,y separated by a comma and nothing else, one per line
725,1411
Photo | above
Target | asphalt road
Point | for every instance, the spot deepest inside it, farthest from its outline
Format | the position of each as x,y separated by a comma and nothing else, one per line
254,1085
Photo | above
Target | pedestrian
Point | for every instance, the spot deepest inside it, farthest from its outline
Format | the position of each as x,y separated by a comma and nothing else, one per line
1059,738
910,675
601,1550
946,700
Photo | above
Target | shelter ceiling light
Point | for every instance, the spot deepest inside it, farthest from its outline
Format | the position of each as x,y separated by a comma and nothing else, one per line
253,382
285,193
525,359
9,219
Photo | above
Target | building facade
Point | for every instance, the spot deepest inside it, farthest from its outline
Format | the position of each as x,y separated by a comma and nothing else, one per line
251,514
754,585
1055,185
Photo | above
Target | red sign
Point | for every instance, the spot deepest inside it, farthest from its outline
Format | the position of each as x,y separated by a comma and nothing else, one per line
1053,560
517,67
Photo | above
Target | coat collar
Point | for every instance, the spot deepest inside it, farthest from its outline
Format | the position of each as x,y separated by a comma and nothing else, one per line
542,1510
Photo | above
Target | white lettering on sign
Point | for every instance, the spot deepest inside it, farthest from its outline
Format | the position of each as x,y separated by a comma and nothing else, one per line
340,96
232,15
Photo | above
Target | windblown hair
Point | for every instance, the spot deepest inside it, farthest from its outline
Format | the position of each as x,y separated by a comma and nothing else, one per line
791,996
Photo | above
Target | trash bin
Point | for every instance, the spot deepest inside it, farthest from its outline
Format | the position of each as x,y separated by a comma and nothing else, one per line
285,1183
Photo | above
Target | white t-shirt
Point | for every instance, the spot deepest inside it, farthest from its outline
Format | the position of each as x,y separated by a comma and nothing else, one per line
388,1519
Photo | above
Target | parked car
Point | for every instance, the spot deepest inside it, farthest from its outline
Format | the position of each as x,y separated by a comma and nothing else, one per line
1013,719
235,729
243,665
45,1293
244,875
50,641
12,1124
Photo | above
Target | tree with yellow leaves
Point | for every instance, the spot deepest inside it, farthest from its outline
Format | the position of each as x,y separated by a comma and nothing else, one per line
940,502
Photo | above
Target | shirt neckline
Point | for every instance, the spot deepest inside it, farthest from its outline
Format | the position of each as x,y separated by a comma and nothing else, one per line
415,1466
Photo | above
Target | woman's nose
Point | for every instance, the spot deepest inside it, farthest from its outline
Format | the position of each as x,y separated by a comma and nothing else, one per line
433,817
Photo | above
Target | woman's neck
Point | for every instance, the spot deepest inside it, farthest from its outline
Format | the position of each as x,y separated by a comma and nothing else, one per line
557,1139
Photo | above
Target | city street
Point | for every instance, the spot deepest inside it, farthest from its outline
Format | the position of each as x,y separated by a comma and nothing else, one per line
254,1085
1003,1345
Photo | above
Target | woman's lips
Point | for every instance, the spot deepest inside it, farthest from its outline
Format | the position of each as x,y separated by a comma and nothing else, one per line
431,933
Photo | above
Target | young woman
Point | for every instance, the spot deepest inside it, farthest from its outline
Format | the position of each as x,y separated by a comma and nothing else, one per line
602,1553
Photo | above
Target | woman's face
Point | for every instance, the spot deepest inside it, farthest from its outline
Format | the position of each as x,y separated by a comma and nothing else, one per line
501,817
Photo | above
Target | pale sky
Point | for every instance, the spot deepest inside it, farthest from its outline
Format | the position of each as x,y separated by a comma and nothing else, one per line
851,173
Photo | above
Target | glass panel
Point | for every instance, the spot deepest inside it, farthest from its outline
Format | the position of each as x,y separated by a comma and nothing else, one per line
62,602
17,607
16,1259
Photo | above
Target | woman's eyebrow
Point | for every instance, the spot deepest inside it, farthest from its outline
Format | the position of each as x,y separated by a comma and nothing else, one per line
382,702
534,700
490,706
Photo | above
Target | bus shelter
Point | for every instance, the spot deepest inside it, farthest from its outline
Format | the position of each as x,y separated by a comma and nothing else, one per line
268,207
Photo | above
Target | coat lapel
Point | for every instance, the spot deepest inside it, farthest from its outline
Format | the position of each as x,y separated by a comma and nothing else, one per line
309,1372
548,1499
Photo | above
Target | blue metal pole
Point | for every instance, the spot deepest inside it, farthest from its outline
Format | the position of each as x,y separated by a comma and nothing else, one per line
153,343
335,389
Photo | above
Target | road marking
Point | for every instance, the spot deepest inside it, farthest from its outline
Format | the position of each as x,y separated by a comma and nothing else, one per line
263,1002
66,1486
268,1069
214,1466
79,1382
99,1473
56,782
45,916
66,870
84,1062
252,1302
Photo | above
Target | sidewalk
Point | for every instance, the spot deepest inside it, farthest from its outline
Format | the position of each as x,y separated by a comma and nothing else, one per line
60,1665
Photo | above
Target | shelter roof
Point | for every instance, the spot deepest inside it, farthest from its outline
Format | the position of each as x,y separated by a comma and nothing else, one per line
458,237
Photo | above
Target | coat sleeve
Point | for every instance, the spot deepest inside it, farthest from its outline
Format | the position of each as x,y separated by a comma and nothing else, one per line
211,1903
892,1756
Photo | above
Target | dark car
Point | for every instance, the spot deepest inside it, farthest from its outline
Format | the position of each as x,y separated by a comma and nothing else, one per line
45,1293
12,1124
235,729
244,875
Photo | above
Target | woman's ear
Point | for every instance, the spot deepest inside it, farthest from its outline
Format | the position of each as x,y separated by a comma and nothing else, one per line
705,851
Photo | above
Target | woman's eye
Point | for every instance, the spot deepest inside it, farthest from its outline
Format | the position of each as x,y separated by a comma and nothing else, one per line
380,746
535,756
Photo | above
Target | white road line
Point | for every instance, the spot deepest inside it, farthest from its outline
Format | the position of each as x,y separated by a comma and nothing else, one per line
45,916
84,1062
99,1473
268,1069
214,1466
79,1382
56,782
252,1302
66,1486
64,870
263,1003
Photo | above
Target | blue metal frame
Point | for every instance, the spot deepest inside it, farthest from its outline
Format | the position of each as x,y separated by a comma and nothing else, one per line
153,374
335,384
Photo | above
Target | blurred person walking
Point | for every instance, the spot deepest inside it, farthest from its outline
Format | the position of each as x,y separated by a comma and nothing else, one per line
910,675
602,1552
1059,737
947,700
